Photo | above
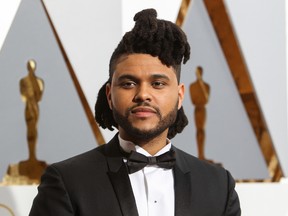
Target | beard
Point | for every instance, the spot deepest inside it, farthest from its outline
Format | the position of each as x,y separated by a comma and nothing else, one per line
143,134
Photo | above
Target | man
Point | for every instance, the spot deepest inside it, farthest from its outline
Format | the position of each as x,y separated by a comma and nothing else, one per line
143,100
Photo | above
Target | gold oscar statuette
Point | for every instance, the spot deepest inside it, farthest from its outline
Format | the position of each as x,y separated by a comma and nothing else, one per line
29,171
199,93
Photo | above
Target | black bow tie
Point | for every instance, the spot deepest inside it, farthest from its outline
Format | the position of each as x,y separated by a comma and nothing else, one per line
137,161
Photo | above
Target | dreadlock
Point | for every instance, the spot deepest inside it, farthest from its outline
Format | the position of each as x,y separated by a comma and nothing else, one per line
159,38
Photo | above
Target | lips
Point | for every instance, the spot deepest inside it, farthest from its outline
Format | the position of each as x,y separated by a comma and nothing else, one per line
143,111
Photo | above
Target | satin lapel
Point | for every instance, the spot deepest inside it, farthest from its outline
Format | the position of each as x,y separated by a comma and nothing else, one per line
182,193
120,180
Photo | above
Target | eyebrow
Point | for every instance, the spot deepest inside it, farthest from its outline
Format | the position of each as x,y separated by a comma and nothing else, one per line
126,77
153,76
160,76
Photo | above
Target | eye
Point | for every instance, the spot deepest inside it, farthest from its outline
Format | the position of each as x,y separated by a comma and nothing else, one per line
128,84
158,84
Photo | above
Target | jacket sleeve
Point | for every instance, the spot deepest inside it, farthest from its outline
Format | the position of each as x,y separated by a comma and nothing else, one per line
52,198
233,204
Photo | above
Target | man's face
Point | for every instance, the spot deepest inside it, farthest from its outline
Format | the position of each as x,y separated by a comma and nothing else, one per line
144,96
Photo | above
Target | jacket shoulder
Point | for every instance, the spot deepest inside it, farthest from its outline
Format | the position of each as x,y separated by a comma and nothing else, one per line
190,163
93,155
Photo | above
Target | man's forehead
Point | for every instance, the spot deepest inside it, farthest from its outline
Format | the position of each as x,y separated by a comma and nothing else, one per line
133,56
144,63
140,60
140,64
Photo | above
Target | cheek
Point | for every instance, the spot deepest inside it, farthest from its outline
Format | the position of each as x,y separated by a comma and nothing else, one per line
119,101
168,101
113,97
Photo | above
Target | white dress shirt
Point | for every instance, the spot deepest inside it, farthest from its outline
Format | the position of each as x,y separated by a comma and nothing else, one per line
153,187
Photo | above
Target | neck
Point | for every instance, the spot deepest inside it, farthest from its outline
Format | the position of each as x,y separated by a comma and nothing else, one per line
152,146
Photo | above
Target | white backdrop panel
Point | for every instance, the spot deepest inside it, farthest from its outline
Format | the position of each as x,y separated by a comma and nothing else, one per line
262,38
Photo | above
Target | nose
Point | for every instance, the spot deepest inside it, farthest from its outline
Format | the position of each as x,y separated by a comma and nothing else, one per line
142,94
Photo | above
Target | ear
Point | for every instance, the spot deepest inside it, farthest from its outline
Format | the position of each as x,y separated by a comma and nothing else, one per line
181,91
108,95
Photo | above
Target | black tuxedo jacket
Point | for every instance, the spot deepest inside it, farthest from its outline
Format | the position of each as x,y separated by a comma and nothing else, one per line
96,183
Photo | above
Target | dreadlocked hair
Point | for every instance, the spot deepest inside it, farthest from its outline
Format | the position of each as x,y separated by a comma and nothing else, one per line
159,38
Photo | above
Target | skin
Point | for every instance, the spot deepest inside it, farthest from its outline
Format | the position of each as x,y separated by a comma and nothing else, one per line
145,95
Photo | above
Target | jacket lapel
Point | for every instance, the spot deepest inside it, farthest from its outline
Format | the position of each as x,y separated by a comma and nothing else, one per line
119,179
182,187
